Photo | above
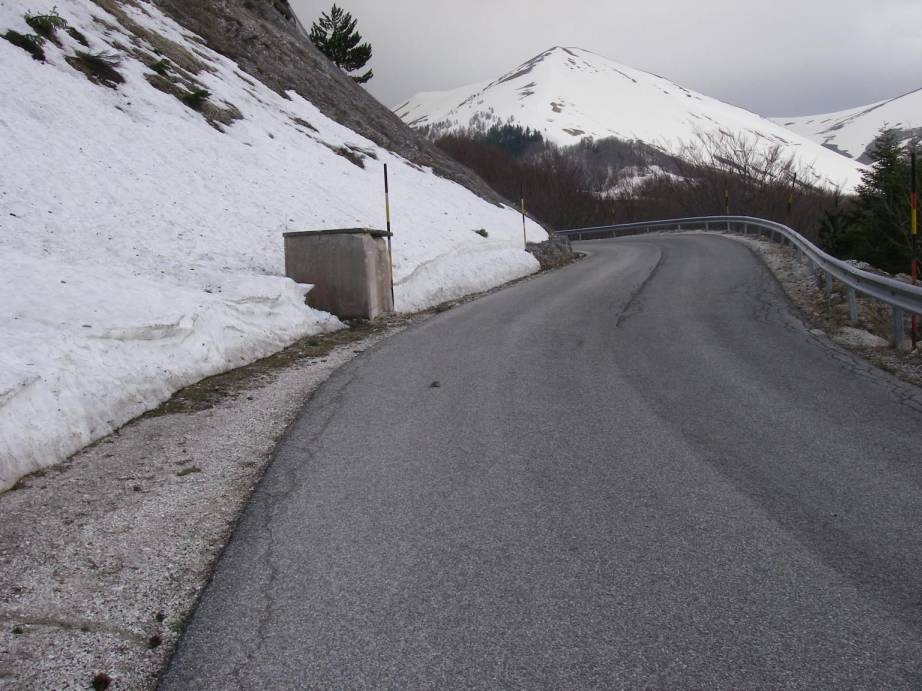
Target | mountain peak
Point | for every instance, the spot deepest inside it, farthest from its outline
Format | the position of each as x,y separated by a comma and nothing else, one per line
569,93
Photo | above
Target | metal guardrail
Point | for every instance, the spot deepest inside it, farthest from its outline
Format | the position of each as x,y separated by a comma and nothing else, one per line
902,297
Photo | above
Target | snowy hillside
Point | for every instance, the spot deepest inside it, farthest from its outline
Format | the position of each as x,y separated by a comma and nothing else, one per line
850,132
141,222
570,93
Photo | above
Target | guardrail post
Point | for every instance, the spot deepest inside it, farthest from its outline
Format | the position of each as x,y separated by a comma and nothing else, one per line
897,327
828,284
707,226
852,306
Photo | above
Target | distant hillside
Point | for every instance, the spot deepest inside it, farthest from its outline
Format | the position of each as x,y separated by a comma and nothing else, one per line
850,132
569,94
147,179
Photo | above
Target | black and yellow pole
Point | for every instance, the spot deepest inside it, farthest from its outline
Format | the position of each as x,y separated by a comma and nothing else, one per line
524,234
914,230
390,253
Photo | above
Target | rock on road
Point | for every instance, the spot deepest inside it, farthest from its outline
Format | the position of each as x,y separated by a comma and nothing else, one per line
640,470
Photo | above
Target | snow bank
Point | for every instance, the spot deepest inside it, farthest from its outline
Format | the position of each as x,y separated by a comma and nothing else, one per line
141,247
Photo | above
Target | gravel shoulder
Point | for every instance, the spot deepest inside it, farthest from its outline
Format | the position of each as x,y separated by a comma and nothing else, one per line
102,557
829,315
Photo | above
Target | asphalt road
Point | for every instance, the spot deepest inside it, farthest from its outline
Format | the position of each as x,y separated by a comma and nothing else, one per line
641,470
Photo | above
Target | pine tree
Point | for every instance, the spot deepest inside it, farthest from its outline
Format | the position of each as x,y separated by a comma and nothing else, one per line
879,225
335,36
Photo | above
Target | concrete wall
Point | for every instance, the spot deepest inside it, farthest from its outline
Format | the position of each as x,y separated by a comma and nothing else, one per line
349,269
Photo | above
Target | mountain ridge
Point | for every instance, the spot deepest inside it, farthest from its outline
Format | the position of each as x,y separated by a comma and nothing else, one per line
851,131
568,94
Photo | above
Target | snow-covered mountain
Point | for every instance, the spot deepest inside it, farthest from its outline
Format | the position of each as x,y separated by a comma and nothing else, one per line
851,132
569,93
146,183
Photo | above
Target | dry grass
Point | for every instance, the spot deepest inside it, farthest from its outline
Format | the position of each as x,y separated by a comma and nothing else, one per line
99,67
146,39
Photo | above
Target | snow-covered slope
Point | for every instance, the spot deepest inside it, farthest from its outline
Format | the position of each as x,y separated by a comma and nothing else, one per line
141,244
851,132
570,93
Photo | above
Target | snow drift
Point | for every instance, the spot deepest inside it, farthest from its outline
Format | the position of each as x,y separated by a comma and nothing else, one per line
141,241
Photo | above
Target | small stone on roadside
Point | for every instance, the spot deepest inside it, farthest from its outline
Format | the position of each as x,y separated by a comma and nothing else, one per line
101,681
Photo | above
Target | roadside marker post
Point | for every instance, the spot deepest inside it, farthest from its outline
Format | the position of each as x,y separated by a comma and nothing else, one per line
914,229
390,254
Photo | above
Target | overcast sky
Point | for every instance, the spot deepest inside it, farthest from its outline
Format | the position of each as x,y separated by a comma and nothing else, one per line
776,57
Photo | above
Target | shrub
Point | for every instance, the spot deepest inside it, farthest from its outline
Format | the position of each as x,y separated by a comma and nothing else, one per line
98,67
31,43
46,25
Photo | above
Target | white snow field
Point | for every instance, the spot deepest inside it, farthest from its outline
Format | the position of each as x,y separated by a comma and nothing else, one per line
852,131
570,93
141,248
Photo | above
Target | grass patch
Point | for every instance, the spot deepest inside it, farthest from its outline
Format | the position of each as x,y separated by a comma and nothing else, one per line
211,391
305,124
31,43
362,151
99,67
188,471
77,36
196,98
161,67
348,154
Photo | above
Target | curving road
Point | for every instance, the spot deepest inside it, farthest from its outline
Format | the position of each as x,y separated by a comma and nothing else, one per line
641,470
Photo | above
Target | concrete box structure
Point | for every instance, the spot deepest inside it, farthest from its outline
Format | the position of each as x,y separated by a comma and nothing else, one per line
348,268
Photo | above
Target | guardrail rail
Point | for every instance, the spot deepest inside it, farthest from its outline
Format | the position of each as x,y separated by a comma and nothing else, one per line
902,297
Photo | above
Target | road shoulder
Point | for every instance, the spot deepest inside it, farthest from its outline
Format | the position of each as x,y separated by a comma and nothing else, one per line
103,557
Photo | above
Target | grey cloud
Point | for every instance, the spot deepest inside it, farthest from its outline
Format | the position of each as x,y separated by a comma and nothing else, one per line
777,58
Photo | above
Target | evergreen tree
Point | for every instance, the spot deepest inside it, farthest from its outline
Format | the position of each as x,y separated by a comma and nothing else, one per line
514,138
833,233
879,224
335,35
